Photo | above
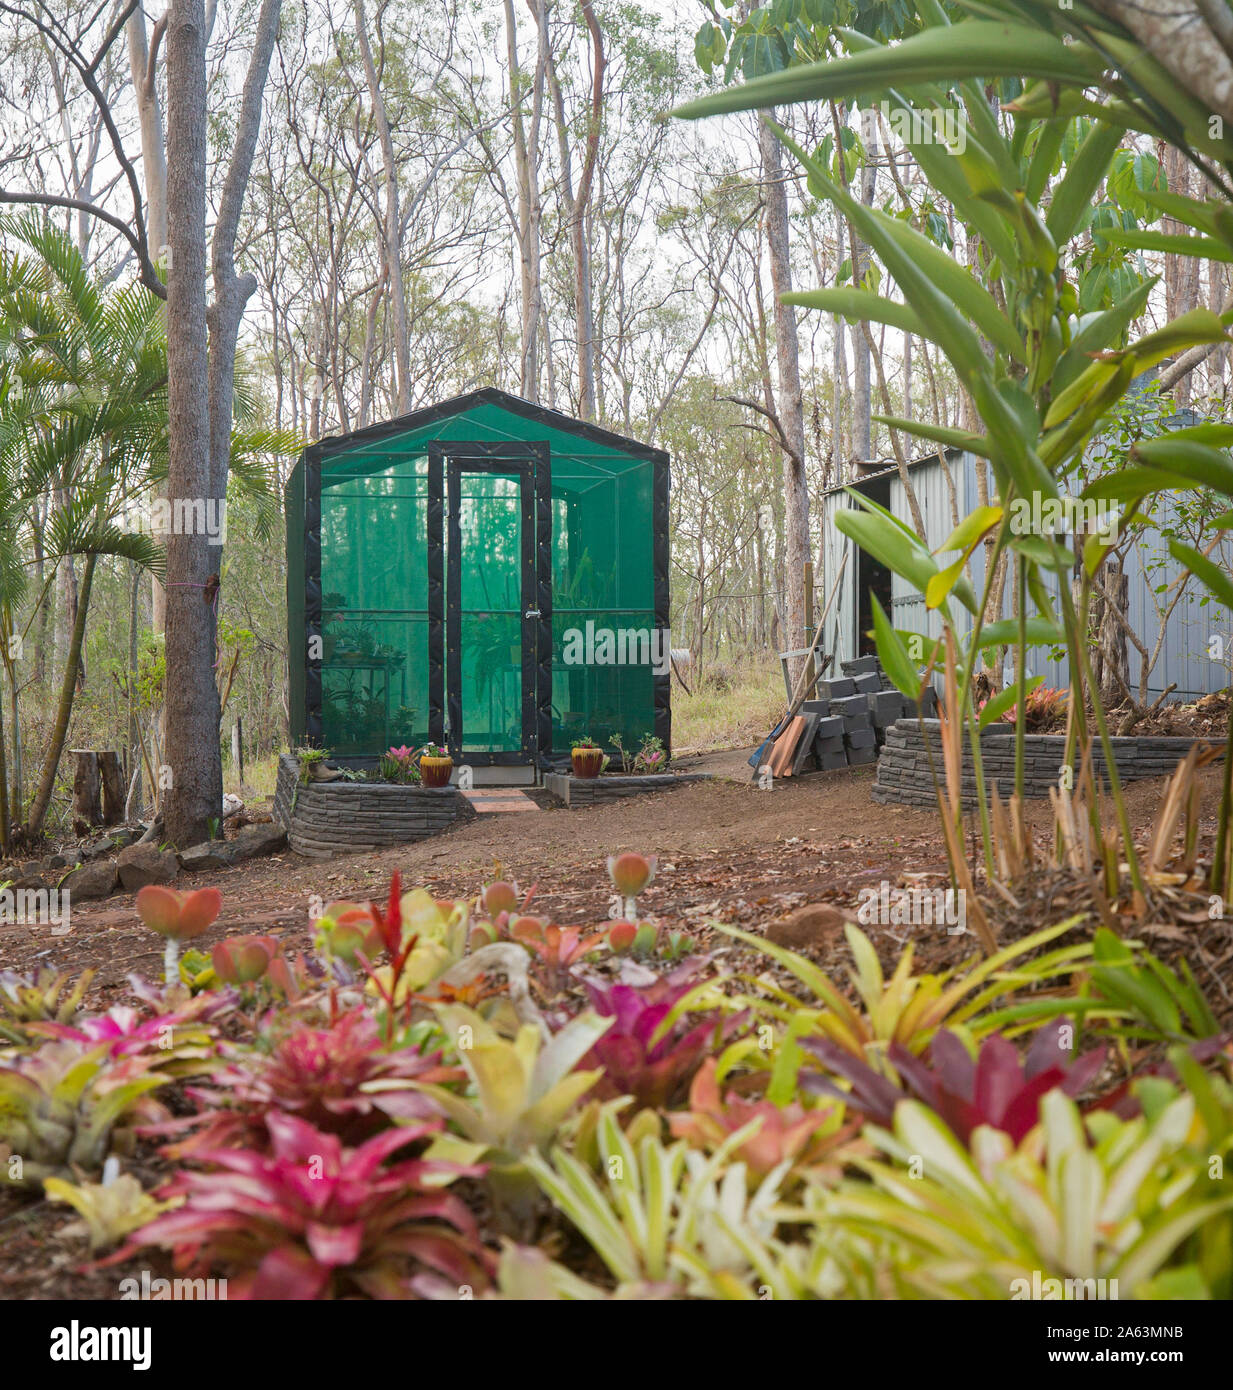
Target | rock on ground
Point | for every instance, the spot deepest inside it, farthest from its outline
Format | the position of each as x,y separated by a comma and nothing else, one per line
140,865
254,840
93,880
213,854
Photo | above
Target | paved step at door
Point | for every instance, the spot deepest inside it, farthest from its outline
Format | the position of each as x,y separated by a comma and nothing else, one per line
496,800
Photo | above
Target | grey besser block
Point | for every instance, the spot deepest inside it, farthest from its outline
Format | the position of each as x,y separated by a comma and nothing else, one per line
851,704
835,689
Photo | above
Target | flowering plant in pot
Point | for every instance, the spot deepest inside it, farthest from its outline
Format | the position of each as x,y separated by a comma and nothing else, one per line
435,766
587,757
397,765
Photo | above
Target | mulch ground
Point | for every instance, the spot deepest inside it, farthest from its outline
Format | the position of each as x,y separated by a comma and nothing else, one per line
727,852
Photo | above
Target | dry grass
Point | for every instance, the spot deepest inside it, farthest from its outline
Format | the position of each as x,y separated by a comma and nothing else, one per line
732,706
259,778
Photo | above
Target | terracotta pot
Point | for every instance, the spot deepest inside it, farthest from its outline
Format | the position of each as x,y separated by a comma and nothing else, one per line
587,761
435,772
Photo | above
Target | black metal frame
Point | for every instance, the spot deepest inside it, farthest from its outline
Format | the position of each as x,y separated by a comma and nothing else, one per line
527,410
530,462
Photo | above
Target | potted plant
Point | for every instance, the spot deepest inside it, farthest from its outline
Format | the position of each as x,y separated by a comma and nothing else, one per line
435,766
587,757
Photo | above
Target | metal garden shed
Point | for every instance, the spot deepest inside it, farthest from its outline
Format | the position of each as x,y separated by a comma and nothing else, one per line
945,493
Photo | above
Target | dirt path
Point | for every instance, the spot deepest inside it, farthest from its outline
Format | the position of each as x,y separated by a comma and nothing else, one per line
726,850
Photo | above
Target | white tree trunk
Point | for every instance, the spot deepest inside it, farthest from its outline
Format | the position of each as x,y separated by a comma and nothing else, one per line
392,233
790,407
192,749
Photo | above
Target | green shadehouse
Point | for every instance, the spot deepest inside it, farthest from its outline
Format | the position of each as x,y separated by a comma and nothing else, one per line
486,574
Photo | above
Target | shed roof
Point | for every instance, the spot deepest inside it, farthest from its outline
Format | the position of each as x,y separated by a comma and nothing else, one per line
486,414
873,474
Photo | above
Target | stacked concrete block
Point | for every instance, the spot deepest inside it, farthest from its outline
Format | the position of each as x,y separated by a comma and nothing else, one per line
326,818
829,751
864,666
836,689
887,707
860,666
905,775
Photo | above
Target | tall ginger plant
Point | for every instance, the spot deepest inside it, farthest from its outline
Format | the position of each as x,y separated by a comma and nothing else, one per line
1041,373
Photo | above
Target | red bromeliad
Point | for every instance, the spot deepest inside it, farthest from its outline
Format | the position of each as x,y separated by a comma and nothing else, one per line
997,1088
389,925
313,1220
638,1056
339,1079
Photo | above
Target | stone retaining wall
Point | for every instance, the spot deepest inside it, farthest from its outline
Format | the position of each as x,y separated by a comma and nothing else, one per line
904,773
326,818
593,791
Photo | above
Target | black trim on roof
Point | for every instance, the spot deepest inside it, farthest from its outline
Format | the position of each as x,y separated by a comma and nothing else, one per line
487,395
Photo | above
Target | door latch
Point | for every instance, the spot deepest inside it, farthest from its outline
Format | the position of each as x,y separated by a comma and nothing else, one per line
532,613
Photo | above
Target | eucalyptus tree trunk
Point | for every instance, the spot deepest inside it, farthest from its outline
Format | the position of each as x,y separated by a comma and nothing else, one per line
64,705
143,63
193,760
201,348
392,233
231,291
530,207
790,409
862,434
577,204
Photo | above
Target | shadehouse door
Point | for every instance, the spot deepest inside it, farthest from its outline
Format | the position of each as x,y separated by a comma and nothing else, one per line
490,604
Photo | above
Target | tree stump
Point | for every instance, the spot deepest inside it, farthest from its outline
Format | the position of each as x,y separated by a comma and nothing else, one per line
112,775
98,787
87,787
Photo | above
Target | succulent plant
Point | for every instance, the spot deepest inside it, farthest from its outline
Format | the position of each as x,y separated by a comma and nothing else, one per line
311,1219
995,1088
559,948
778,1135
499,897
524,1088
1082,1199
178,917
344,929
631,874
109,1210
179,1043
664,1215
240,960
423,937
648,939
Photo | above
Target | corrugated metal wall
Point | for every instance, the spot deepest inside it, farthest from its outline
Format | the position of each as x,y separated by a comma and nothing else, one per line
1150,569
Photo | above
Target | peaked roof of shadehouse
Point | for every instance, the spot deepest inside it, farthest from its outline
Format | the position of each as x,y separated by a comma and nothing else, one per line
536,415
